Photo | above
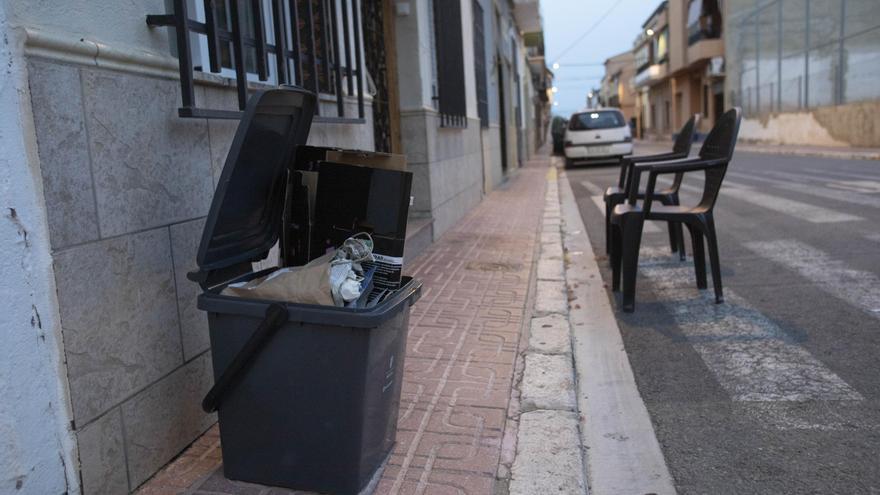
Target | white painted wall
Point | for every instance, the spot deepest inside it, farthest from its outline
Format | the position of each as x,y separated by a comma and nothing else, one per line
37,449
119,24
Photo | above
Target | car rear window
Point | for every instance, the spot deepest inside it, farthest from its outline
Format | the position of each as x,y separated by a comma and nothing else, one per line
589,121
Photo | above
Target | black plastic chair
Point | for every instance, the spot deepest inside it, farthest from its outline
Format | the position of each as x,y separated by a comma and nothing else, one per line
628,219
616,195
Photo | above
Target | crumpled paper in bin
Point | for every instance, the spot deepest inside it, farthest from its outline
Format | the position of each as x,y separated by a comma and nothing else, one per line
331,280
307,284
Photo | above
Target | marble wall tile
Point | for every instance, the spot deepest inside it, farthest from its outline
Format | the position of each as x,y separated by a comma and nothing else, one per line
185,238
118,317
102,456
166,417
150,166
56,99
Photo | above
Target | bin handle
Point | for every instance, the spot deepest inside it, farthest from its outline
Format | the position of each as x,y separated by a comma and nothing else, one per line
276,316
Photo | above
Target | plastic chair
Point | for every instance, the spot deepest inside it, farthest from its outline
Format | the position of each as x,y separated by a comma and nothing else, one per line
616,195
628,218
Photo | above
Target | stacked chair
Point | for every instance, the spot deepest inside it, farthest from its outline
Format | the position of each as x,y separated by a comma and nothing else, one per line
627,219
616,195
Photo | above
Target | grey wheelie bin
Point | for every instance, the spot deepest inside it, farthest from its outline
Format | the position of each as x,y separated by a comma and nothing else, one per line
307,396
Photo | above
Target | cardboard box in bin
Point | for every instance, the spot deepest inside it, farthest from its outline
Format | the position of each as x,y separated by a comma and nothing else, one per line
347,192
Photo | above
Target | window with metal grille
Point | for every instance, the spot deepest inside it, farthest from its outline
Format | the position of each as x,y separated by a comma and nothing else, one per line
480,64
450,64
315,44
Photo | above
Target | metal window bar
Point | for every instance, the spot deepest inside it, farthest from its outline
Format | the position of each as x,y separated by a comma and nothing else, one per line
480,65
300,55
450,64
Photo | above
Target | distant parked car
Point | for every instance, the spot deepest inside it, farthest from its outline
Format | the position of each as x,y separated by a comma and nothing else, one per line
597,134
557,130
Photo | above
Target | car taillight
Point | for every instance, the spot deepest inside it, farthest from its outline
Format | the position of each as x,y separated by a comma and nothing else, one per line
569,143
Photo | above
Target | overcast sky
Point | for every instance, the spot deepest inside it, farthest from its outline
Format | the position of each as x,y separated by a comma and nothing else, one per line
567,20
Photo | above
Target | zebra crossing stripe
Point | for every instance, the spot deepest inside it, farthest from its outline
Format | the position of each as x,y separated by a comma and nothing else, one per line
797,209
750,356
856,287
820,191
593,189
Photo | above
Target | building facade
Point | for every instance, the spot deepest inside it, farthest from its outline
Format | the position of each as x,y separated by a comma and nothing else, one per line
114,132
805,71
679,58
617,88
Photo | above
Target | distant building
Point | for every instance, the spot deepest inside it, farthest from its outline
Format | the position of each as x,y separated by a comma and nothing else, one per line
805,71
679,63
617,88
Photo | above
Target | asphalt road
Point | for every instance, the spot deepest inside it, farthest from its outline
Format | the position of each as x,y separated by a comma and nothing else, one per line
778,389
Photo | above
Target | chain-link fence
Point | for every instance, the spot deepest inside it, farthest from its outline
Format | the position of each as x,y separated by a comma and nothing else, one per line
787,55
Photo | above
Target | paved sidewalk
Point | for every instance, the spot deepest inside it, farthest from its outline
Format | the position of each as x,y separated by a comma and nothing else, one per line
466,333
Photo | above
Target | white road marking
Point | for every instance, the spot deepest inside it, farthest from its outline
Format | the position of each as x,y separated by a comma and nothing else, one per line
649,228
821,416
593,189
797,209
848,175
856,287
751,357
859,186
873,237
816,190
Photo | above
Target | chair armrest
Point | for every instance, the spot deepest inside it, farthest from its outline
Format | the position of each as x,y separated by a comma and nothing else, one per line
627,164
660,157
666,167
685,166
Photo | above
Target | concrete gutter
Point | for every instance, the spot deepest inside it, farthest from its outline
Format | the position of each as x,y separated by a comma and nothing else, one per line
622,453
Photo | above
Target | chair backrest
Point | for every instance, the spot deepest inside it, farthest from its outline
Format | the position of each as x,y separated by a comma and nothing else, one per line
685,136
682,144
721,139
719,144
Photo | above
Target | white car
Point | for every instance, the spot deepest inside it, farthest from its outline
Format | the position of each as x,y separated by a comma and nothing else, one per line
597,134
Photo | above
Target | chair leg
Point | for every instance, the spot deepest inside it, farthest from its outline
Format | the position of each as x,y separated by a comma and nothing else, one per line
699,256
673,241
679,231
679,234
608,208
632,239
712,241
615,257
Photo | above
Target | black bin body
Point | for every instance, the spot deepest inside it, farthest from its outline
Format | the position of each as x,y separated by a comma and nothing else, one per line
315,408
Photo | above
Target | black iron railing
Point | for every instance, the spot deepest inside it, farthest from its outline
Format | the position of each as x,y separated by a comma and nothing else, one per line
450,63
480,64
306,49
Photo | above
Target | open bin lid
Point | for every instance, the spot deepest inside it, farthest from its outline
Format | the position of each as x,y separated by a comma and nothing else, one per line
244,221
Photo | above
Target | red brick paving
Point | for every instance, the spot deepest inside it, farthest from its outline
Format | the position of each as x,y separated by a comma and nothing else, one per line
462,348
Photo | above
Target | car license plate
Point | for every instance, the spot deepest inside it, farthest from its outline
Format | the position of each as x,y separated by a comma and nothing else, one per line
598,150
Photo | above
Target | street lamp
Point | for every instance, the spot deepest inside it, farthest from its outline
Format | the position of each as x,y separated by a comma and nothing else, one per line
554,89
649,32
555,65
